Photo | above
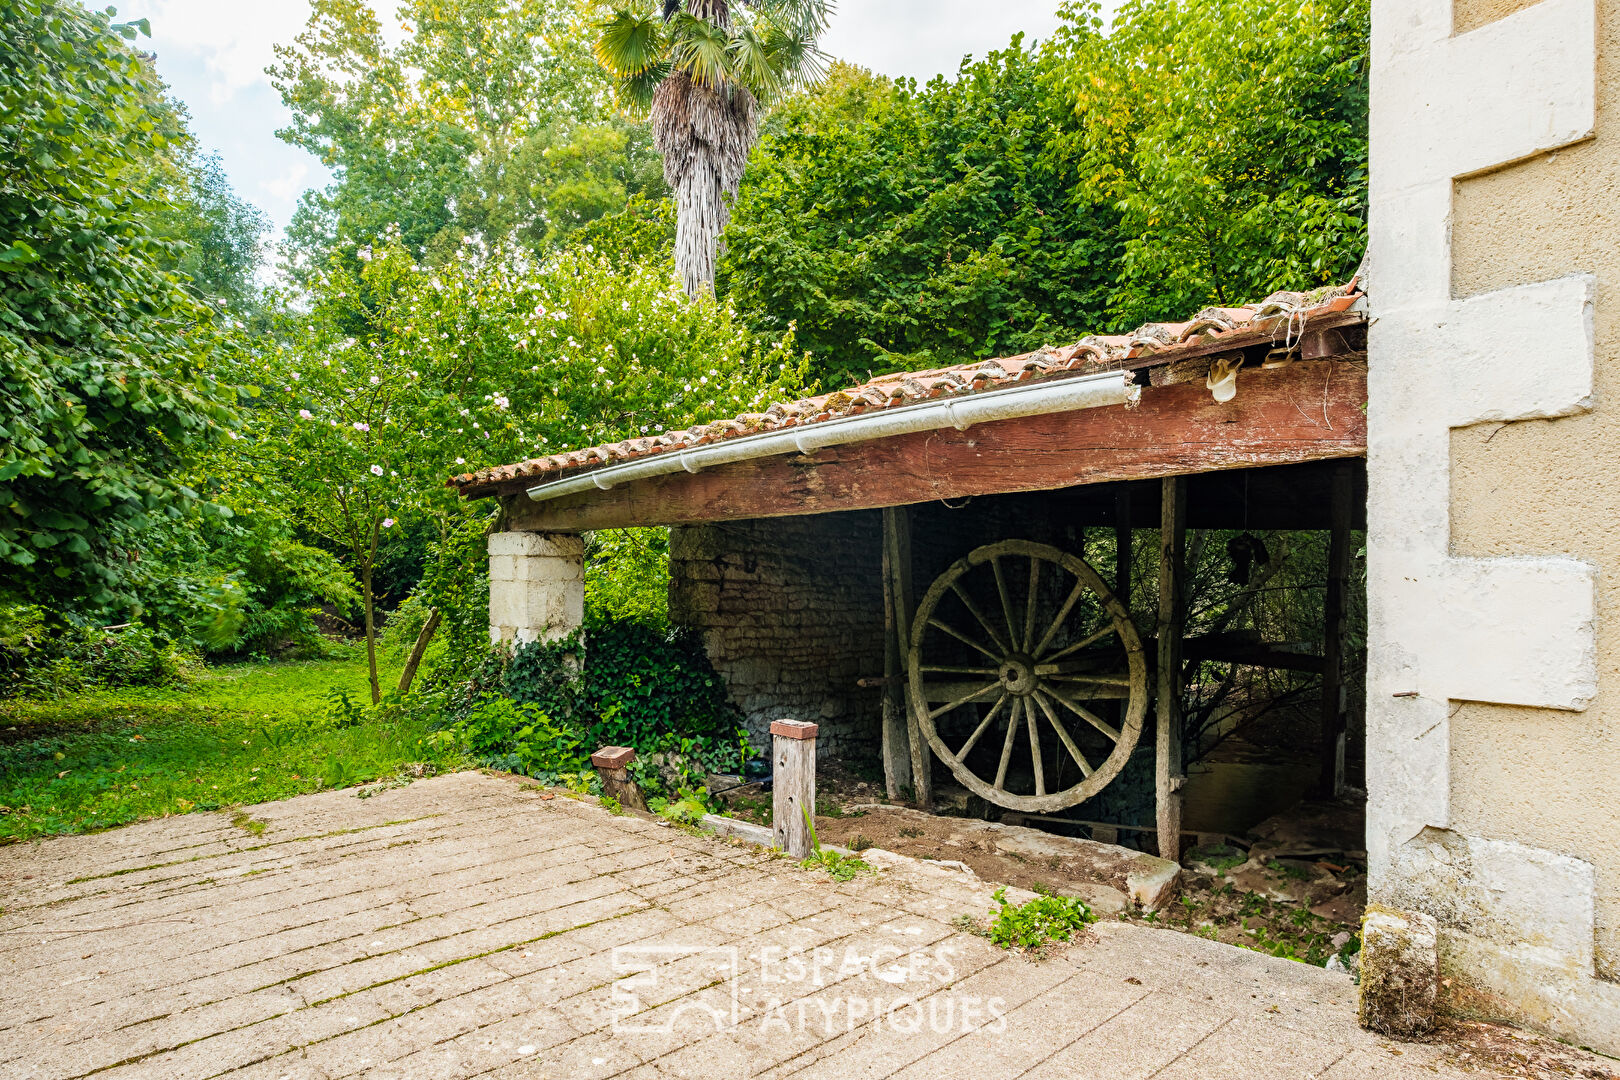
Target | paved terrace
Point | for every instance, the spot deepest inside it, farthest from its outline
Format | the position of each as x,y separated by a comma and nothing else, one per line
467,926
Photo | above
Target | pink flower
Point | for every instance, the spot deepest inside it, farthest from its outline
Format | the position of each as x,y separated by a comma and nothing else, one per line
376,470
306,414
358,426
388,523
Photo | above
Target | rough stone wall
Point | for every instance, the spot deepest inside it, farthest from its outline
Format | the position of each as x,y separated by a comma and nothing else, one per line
1494,472
791,612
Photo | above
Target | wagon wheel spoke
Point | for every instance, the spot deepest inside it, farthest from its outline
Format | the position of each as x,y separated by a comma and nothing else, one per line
1006,601
1006,749
946,670
963,638
1034,595
1063,734
1089,680
984,725
1081,711
973,609
1089,639
984,691
1035,748
1057,621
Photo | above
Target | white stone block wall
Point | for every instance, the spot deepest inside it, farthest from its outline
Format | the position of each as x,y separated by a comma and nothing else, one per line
1449,627
536,586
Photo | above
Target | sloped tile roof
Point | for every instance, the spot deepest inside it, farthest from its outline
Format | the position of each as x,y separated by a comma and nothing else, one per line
1280,316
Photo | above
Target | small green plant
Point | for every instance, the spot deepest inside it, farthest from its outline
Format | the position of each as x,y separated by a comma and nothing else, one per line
247,823
909,831
688,809
840,867
1038,923
611,805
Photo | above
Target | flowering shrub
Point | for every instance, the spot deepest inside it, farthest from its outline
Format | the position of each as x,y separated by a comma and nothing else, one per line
401,374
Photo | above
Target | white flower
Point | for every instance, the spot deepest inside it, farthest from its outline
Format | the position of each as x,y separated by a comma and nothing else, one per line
306,414
375,380
358,426
461,461
376,470
502,402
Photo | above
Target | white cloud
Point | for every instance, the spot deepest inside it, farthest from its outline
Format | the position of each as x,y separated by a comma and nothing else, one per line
230,39
924,38
289,185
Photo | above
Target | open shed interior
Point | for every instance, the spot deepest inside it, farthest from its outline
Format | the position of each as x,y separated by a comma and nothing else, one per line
799,614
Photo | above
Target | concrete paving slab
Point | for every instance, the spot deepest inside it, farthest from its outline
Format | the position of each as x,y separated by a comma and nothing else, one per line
463,926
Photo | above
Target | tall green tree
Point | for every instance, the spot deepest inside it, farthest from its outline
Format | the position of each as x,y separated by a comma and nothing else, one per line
106,357
487,122
897,226
702,75
1232,138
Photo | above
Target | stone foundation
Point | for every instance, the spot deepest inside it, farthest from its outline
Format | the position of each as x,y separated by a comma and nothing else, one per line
1399,972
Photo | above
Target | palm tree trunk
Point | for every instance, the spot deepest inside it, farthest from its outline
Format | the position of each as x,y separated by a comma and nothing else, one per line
704,135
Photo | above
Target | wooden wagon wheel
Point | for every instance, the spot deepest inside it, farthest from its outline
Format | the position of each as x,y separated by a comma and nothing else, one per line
1060,644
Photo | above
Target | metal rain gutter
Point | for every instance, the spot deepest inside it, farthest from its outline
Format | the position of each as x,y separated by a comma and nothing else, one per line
1039,399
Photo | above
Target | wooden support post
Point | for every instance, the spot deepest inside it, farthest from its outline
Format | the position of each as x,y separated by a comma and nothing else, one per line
1330,785
896,708
793,785
1122,545
1168,777
613,766
897,542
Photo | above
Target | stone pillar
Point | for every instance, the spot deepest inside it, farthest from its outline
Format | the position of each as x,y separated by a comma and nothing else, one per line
536,586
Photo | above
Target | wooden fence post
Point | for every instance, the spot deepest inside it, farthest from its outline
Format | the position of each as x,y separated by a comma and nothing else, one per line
793,784
1168,776
1330,784
897,722
613,766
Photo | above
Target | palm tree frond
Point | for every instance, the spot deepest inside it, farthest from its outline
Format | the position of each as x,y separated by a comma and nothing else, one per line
805,17
635,92
630,44
702,50
754,66
796,57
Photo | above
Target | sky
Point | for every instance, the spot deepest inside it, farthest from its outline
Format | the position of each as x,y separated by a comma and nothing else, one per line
213,54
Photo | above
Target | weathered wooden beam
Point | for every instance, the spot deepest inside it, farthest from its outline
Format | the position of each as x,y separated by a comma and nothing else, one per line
793,785
1304,411
897,583
1334,704
1167,772
897,723
1122,545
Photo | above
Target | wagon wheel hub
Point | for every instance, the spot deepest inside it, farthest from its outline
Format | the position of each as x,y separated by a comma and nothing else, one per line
1032,670
1017,675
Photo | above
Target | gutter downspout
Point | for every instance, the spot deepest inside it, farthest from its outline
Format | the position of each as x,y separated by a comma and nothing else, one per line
1063,395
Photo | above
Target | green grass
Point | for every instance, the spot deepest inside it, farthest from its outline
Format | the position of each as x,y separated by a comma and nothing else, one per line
239,734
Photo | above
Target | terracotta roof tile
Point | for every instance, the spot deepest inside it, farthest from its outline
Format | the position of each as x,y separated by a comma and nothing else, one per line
1280,315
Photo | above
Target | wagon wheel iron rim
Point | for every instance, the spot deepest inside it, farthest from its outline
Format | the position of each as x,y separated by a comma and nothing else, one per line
1018,671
